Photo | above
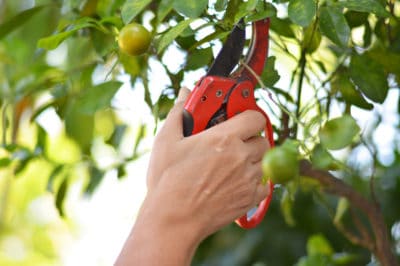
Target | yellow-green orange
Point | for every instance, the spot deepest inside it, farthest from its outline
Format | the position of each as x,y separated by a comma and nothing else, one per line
134,39
280,165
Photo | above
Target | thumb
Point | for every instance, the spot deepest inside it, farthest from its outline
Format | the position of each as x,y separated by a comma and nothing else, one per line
182,95
173,123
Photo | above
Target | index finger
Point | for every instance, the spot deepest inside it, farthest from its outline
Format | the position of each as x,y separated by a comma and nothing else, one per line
245,125
173,123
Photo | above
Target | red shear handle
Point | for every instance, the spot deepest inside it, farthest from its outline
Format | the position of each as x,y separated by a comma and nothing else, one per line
258,216
242,99
251,222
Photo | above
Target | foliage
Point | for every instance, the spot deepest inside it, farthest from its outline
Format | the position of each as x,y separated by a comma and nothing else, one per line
331,82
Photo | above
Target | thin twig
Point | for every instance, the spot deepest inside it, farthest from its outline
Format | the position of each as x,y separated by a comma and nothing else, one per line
282,46
302,64
373,153
277,102
352,237
366,235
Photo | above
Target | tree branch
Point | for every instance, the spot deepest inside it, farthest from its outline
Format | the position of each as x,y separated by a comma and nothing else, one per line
365,233
382,245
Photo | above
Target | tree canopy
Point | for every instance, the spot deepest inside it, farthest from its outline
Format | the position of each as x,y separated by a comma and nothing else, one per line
331,84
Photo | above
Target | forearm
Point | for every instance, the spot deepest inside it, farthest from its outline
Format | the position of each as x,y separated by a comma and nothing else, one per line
158,238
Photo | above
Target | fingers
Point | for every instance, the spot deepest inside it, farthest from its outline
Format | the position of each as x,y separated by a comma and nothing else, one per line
262,191
173,123
257,146
245,125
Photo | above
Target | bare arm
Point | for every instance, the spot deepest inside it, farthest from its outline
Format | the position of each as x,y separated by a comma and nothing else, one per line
196,185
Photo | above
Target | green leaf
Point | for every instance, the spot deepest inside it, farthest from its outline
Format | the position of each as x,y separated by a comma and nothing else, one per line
282,27
23,156
147,95
54,41
19,20
338,132
312,38
234,7
217,34
56,171
163,9
387,58
131,64
270,75
318,244
367,38
60,196
168,37
370,77
191,9
220,5
322,159
95,175
355,19
287,208
344,258
302,12
341,82
252,4
163,106
199,58
333,25
266,10
291,146
141,133
132,8
117,136
342,207
309,185
368,6
241,12
79,127
97,97
315,260
4,162
187,42
121,171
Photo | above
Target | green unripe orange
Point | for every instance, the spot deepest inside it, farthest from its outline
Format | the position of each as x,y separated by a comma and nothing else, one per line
134,39
280,165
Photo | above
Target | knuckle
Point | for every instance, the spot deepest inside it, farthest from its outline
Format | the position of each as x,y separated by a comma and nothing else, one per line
264,143
249,177
240,156
249,198
222,142
256,116
260,118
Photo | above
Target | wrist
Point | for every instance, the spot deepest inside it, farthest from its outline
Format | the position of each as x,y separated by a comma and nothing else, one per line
161,236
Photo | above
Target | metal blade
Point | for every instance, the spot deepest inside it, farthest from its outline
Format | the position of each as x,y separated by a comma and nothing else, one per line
229,55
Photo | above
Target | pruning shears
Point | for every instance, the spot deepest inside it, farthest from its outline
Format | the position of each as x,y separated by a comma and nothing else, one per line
220,94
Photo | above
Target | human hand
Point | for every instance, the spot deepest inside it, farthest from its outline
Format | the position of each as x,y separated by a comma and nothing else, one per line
196,185
212,177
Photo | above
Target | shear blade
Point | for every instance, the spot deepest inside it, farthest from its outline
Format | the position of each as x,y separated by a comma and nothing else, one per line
228,57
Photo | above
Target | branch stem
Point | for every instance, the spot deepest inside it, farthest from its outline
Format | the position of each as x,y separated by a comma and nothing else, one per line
381,247
302,64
